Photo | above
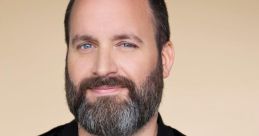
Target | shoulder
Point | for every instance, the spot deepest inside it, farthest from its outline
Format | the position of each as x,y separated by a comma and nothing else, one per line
164,130
69,129
169,131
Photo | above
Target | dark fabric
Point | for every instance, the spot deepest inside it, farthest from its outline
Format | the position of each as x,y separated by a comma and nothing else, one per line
70,129
164,130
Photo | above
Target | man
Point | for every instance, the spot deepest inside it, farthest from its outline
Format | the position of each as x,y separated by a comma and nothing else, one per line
118,52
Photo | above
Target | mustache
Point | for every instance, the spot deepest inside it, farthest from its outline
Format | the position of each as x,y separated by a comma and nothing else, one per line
95,82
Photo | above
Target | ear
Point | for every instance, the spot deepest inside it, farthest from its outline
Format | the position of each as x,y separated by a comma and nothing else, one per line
167,58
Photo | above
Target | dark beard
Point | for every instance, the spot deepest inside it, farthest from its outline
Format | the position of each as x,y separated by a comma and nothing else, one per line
109,115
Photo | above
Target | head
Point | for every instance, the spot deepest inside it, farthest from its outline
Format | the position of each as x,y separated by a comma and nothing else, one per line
118,53
159,18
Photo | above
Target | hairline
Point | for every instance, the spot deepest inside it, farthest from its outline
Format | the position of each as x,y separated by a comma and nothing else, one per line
150,13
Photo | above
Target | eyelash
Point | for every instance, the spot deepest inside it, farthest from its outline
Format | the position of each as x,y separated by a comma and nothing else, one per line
82,45
122,44
128,45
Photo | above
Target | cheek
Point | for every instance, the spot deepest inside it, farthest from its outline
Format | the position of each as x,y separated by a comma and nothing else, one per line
139,66
77,68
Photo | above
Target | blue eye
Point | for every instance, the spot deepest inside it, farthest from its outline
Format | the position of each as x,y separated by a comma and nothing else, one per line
86,46
129,45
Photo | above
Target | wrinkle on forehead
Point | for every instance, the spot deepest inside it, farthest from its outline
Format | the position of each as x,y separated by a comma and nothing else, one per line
110,7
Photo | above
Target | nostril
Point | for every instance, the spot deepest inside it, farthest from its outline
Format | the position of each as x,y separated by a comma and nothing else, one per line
105,69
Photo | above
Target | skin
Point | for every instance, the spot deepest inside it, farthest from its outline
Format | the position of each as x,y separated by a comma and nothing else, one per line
114,37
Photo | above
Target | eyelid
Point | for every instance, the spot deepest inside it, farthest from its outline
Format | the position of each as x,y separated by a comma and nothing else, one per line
84,43
126,42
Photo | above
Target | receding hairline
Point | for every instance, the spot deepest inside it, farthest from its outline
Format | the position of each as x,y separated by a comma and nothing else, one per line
149,11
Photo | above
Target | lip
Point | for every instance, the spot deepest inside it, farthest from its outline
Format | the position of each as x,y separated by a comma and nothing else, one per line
106,90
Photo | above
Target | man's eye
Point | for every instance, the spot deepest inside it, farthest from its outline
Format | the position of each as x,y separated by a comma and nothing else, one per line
129,45
85,46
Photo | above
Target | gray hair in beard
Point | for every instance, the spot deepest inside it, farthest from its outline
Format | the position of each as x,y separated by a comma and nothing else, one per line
110,115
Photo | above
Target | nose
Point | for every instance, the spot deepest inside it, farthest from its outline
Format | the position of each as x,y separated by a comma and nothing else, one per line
105,64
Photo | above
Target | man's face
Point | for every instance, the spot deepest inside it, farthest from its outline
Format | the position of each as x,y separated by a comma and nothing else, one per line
110,38
114,76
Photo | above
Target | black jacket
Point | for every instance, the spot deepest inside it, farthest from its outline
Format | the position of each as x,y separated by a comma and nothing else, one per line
70,129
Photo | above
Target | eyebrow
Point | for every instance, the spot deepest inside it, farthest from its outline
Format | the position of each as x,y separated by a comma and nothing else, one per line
88,38
126,36
92,39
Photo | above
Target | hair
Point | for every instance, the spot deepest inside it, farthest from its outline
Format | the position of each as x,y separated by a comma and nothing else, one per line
160,17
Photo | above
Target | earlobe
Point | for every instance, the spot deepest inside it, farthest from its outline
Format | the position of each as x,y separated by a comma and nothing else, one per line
167,58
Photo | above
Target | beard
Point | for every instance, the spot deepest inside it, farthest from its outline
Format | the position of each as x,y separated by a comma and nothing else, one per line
112,115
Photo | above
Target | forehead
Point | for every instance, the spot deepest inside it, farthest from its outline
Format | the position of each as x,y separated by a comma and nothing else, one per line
121,15
140,7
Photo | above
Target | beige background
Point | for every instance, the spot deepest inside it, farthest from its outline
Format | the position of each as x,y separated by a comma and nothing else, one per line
213,88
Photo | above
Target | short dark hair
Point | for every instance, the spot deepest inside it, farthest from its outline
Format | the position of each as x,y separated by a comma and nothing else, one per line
160,16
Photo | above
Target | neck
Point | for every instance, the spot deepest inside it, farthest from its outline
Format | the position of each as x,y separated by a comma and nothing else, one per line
150,129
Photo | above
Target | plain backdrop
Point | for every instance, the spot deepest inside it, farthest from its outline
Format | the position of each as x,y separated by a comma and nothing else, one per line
213,88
